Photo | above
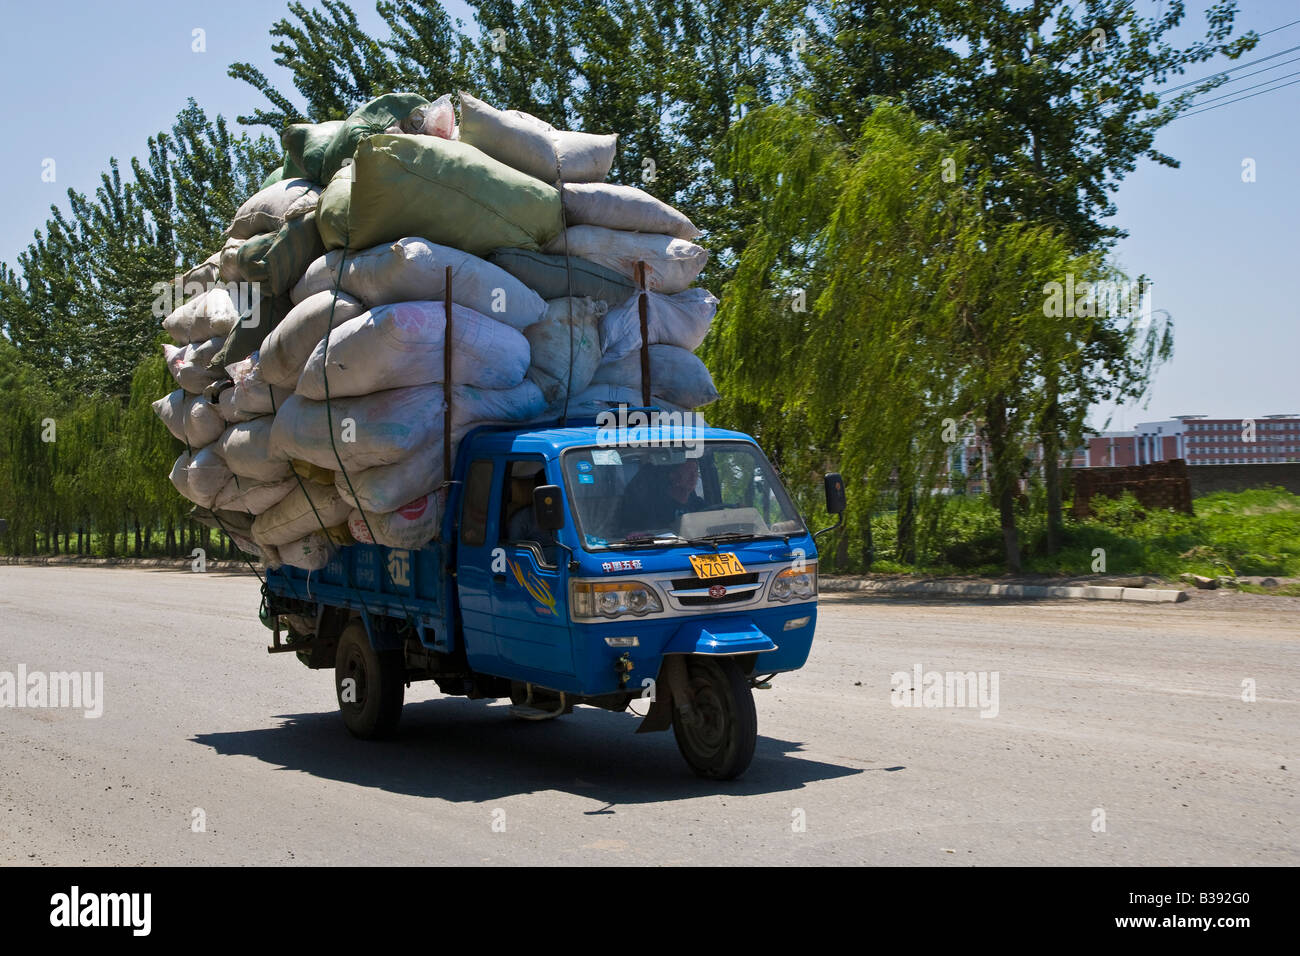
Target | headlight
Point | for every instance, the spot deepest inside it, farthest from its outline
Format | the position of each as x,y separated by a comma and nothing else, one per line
611,599
794,584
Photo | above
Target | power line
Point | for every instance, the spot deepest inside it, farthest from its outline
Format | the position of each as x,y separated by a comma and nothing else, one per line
1282,27
1230,102
1245,88
1246,76
1234,69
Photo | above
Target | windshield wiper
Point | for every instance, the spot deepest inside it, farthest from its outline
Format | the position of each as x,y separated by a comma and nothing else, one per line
740,536
663,537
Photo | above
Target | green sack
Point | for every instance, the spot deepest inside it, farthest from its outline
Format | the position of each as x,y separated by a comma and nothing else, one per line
251,252
447,192
332,210
278,260
305,145
375,117
275,176
245,339
547,276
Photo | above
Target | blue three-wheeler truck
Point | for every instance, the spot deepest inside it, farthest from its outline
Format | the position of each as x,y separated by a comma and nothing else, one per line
578,564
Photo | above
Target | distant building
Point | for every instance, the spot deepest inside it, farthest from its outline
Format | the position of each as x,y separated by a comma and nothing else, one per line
1198,440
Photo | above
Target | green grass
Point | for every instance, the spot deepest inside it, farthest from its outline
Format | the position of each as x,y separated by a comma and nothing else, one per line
1243,533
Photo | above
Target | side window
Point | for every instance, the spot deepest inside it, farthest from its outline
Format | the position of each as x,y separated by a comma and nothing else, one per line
478,492
522,476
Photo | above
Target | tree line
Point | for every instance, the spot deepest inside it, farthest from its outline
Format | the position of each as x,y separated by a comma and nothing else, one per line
886,188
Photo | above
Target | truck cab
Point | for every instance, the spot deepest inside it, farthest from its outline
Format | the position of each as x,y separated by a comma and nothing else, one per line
579,564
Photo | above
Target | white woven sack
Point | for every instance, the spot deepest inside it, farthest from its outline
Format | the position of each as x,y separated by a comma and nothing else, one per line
246,449
285,350
682,320
413,525
393,346
623,207
253,497
211,312
368,430
534,146
671,264
388,487
306,508
415,269
267,209
565,347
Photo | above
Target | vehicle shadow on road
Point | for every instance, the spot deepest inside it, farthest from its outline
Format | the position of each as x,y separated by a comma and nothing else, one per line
466,751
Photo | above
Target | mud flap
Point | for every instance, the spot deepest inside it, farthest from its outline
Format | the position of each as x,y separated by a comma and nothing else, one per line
658,717
671,683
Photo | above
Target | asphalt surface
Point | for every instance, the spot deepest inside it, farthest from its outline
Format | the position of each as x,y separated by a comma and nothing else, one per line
1120,737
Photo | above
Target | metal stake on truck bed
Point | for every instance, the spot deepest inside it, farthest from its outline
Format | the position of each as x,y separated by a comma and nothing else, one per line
645,335
446,386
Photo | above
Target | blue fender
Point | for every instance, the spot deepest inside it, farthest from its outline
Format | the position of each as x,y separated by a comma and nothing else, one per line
381,639
719,636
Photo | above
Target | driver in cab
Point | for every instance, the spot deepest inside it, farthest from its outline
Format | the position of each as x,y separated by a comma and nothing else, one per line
657,496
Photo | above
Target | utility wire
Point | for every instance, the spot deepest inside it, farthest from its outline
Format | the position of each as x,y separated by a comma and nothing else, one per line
1282,27
1230,102
1234,69
1246,76
1245,88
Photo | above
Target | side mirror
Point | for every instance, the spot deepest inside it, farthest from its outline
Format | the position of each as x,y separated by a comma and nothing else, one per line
548,507
835,500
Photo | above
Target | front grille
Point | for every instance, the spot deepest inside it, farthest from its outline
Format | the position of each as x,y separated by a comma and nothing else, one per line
687,584
703,600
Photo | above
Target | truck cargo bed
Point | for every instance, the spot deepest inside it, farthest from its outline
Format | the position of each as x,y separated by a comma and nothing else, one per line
391,582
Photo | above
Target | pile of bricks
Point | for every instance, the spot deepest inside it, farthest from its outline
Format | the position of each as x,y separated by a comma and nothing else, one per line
1161,484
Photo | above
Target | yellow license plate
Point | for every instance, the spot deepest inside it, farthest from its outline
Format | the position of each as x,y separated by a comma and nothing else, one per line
716,565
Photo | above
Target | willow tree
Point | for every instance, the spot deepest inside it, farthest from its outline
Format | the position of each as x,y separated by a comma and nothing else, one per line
877,309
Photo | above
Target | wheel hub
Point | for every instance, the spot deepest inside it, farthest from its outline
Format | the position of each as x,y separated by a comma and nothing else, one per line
356,669
708,730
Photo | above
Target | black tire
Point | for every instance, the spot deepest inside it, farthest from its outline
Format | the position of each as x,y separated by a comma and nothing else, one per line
720,744
380,686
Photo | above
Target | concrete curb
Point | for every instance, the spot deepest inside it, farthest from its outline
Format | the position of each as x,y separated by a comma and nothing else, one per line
989,589
59,560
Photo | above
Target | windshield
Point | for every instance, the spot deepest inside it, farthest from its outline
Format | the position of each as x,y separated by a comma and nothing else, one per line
632,497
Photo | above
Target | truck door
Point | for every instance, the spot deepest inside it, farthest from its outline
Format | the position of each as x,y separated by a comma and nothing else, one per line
529,579
473,566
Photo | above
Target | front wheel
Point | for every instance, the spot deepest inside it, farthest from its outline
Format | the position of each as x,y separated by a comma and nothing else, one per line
370,684
717,737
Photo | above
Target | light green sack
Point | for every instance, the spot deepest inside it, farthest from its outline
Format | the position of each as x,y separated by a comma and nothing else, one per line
275,176
332,210
447,192
278,260
249,332
305,145
375,117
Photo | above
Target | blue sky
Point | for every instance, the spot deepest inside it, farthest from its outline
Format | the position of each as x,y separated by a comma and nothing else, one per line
1224,254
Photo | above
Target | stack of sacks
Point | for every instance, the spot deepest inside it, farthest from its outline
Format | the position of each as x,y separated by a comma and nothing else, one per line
229,473
381,429
313,410
609,230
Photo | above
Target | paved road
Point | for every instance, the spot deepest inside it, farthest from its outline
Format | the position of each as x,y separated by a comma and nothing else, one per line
1130,711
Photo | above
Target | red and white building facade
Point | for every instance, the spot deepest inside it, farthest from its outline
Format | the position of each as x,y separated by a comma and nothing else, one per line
1199,440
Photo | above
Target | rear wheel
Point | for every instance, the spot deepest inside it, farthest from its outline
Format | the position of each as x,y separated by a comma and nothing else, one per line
370,684
717,738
